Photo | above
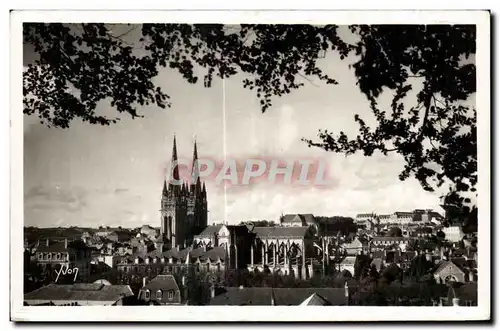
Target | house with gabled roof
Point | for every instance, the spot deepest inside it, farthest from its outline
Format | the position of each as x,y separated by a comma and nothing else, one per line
161,290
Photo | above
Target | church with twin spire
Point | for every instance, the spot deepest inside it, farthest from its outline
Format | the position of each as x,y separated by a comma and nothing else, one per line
183,205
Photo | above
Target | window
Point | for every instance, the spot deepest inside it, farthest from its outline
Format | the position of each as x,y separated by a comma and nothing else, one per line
49,256
147,294
159,294
58,256
170,295
40,256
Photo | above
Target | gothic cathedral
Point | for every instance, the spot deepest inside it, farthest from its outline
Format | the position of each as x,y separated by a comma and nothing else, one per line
183,206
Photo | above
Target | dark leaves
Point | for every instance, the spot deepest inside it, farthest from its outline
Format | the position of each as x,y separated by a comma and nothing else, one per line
83,65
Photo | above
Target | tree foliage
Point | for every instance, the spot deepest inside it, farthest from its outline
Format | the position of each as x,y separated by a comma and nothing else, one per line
82,65
395,232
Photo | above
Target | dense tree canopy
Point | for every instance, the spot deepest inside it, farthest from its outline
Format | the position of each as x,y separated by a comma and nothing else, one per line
81,65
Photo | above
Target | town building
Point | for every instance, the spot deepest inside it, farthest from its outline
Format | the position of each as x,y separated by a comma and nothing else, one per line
457,270
175,261
161,290
284,250
453,233
80,294
70,255
298,220
355,247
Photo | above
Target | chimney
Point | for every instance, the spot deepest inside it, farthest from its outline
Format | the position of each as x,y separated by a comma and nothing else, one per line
47,242
456,302
144,281
65,242
183,280
346,290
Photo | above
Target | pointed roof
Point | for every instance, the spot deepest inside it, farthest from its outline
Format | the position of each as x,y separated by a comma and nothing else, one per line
175,170
195,172
165,190
315,300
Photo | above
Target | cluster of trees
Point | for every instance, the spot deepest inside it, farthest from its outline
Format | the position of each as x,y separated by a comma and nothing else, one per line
393,286
235,278
261,223
339,224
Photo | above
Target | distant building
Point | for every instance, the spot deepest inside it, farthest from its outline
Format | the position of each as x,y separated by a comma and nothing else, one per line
455,270
161,290
390,241
363,218
453,233
347,264
81,294
75,254
355,247
148,231
298,220
174,260
119,236
413,218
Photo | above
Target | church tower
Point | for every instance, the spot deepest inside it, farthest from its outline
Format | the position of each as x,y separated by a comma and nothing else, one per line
173,206
196,205
183,206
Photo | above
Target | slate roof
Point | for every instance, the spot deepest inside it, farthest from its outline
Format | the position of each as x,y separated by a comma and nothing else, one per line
306,219
395,239
80,292
281,232
214,254
60,246
263,296
209,231
365,215
443,264
162,282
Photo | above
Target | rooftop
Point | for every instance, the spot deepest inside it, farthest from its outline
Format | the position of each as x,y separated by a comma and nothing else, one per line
162,282
80,292
264,296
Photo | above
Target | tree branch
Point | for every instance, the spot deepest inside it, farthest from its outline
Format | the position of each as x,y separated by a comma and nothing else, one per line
305,77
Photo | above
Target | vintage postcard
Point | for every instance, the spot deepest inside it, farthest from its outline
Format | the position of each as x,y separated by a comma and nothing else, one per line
184,166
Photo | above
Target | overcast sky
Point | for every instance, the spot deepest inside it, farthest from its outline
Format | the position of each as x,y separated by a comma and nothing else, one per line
92,175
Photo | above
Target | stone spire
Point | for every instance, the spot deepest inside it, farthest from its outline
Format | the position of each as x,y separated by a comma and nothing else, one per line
174,186
165,190
195,171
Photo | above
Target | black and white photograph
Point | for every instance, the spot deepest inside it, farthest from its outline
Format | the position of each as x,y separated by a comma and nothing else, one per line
194,163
